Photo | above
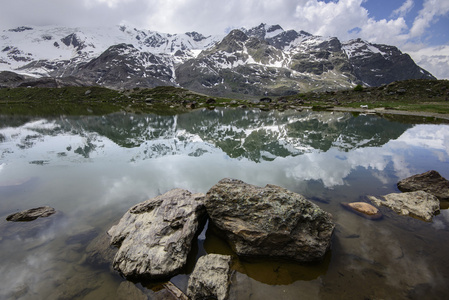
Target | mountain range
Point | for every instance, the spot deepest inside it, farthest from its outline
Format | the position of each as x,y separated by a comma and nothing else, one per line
264,60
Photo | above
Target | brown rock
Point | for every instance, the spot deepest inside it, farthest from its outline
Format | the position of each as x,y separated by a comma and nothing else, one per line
363,209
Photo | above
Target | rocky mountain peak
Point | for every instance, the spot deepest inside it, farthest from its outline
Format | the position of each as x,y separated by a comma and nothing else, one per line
305,33
233,41
332,44
73,40
283,39
196,36
236,35
274,28
20,29
263,31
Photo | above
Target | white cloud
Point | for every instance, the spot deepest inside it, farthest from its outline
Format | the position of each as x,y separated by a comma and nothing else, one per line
335,18
384,32
432,9
433,59
330,19
214,16
405,8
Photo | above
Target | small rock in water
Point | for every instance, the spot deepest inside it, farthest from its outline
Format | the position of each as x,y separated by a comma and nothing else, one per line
418,204
31,214
363,209
431,182
210,278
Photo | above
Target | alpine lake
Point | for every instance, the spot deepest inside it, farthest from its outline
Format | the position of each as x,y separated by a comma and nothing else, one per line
93,168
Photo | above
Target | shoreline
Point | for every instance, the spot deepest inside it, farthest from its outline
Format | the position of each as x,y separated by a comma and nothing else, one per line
384,111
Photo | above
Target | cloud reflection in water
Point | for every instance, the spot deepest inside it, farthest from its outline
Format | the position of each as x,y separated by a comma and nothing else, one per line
100,166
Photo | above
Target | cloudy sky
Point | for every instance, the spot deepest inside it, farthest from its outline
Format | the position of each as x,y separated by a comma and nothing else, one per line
418,27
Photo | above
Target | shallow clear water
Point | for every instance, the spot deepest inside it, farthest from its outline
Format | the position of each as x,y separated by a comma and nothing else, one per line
93,168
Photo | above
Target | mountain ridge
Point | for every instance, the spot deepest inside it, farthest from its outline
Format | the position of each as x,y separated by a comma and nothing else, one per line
263,60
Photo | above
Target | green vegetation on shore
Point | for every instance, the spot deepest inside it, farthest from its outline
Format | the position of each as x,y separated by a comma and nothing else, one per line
409,95
426,96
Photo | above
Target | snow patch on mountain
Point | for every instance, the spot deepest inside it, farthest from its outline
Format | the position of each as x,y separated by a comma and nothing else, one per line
19,47
263,60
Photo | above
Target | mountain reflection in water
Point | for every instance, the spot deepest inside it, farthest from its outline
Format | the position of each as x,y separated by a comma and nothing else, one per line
254,135
93,168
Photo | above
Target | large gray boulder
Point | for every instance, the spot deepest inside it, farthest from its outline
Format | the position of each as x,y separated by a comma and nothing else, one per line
155,236
211,278
269,222
431,182
417,204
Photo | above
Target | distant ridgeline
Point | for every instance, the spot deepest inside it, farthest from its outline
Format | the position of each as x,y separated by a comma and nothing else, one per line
264,60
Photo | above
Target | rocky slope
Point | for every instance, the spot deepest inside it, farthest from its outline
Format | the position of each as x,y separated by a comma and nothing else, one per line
264,60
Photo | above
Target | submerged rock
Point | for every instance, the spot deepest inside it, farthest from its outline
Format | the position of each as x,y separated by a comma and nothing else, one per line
363,209
431,182
269,222
100,252
171,292
418,204
210,278
127,290
155,236
31,214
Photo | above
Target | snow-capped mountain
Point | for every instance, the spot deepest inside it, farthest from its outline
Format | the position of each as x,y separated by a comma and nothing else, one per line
264,60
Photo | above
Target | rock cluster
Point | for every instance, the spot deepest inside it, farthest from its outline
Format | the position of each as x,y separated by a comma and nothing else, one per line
421,196
155,236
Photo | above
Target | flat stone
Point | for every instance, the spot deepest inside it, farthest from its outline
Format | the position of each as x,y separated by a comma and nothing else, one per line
363,209
31,214
155,236
269,222
210,278
418,204
431,182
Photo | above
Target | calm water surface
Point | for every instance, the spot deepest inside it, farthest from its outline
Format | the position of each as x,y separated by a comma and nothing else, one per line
93,168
